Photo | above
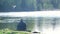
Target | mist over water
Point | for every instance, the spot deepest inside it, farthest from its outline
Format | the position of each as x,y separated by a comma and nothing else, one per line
51,26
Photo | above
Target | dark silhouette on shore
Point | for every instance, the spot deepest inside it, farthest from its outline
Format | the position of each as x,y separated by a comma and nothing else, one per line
21,26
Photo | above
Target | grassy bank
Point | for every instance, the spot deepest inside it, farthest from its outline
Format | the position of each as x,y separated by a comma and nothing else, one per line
7,31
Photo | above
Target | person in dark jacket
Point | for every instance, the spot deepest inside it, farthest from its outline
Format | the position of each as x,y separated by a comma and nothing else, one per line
21,26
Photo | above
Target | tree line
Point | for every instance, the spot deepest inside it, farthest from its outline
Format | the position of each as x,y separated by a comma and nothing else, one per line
29,5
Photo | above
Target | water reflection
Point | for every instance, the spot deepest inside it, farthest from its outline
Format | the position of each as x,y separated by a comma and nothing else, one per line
46,25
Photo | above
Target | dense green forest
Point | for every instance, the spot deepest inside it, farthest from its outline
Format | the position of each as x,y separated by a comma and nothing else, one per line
29,5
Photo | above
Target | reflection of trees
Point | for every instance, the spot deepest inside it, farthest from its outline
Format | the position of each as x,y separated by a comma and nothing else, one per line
54,23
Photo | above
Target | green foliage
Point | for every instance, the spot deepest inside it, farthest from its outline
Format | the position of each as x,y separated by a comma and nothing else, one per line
8,31
47,6
30,4
1,32
14,32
